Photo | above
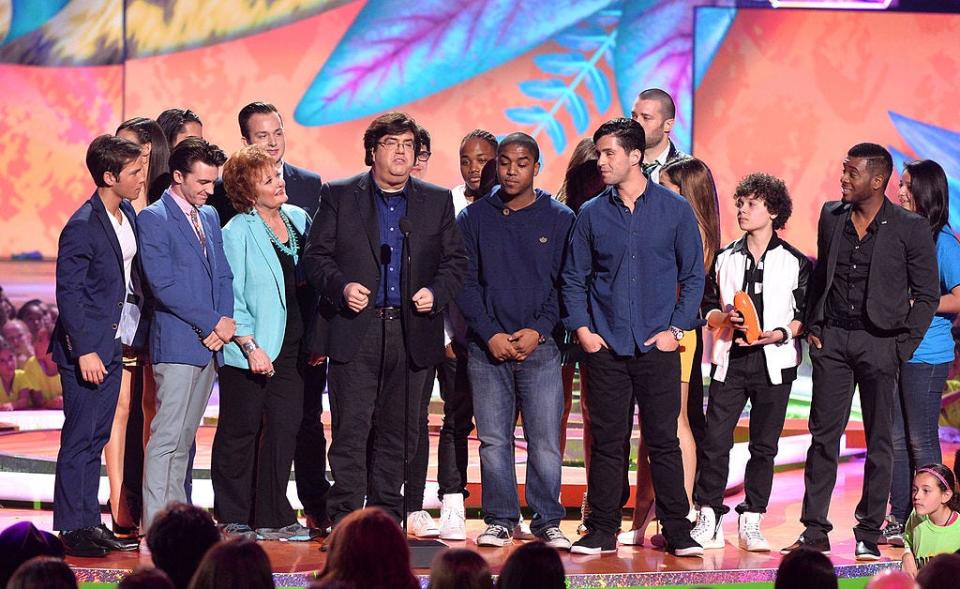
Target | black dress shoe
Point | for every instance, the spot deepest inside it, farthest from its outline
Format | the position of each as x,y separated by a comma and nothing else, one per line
867,551
820,545
104,537
80,543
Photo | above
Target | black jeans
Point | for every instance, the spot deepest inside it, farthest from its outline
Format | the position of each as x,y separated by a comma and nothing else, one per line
652,380
367,406
746,378
310,456
848,359
454,433
255,442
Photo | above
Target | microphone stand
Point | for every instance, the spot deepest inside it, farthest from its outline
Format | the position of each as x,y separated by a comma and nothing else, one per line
422,552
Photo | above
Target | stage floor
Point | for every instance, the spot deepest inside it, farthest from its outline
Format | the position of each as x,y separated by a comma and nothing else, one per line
295,564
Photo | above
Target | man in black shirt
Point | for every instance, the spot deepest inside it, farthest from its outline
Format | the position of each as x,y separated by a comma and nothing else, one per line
872,296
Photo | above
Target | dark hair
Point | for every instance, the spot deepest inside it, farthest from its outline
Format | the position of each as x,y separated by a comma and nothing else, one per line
241,174
805,569
944,473
192,150
460,568
173,120
930,192
255,108
368,549
43,572
584,152
391,123
940,572
628,132
696,184
667,105
236,563
772,191
482,135
109,153
148,131
178,539
22,311
533,566
523,139
423,136
22,541
146,578
879,160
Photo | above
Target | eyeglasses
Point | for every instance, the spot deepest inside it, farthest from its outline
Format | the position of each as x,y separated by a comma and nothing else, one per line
423,156
394,145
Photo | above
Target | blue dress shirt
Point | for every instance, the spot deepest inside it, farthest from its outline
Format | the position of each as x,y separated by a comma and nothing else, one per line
623,269
391,207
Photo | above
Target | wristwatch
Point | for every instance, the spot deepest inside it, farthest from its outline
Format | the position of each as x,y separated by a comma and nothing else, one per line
249,346
677,332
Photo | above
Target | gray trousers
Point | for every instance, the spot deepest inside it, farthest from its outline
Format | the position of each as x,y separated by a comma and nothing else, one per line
182,395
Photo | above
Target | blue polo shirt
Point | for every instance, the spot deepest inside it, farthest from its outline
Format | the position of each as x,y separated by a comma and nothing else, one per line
937,344
630,275
391,207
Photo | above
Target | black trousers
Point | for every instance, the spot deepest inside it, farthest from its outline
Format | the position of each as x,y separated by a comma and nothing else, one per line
746,379
310,456
848,359
255,442
652,380
454,433
695,414
367,407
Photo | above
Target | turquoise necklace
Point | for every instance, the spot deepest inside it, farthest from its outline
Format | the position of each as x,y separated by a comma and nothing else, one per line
290,250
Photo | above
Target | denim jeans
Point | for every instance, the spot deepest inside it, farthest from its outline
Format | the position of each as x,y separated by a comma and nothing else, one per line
498,387
916,436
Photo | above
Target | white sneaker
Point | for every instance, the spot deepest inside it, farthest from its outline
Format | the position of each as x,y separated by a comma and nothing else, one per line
631,538
453,521
708,532
522,531
751,539
421,525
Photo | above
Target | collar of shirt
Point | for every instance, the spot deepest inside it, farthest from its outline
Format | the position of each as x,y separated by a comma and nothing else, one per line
185,206
742,245
616,200
383,194
661,159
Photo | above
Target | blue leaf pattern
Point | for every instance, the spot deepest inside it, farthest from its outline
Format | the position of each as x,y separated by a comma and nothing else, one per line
29,15
933,143
587,44
398,51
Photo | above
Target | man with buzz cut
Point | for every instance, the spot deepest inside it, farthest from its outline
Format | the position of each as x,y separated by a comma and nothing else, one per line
655,110
632,284
515,240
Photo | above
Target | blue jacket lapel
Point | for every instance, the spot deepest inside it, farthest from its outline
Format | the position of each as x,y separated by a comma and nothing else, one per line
186,229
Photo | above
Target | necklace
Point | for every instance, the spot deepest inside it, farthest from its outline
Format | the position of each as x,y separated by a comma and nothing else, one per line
290,250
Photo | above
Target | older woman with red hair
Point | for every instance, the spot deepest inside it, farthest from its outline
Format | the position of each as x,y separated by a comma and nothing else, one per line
261,384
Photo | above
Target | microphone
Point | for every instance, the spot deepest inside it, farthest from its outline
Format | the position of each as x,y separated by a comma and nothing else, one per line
406,227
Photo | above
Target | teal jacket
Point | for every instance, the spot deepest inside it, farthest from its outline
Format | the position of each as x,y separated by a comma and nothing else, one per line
260,302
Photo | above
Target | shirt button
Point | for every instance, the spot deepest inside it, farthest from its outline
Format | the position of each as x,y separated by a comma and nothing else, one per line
391,268
854,266
506,212
114,325
391,229
120,305
391,209
391,288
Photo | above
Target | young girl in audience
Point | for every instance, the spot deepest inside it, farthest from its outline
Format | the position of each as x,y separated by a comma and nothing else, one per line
14,385
43,375
934,526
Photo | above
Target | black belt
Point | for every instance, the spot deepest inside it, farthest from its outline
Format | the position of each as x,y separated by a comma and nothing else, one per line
848,324
387,313
133,299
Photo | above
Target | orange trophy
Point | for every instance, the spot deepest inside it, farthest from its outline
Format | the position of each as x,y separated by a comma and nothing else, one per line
751,320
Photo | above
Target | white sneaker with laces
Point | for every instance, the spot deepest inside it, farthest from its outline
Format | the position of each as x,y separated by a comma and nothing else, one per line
708,532
453,520
421,525
522,531
751,539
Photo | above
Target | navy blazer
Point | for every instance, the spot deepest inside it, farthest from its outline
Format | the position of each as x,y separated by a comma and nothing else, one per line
191,290
303,190
90,284
344,246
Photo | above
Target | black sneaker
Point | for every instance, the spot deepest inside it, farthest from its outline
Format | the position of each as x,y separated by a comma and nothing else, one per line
867,551
104,537
231,531
80,543
595,542
892,533
820,545
495,535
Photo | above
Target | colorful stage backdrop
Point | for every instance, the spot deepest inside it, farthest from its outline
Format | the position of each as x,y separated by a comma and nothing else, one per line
783,91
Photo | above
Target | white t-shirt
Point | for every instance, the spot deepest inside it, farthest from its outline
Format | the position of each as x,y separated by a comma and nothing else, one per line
128,248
